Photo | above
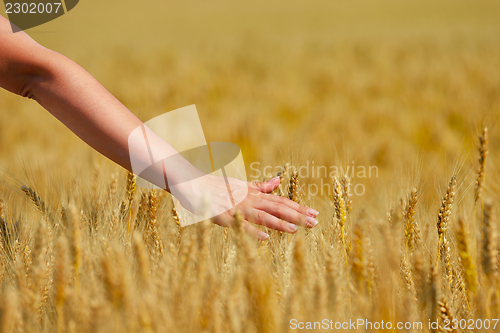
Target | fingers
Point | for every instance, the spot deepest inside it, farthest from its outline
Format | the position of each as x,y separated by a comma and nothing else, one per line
227,220
281,211
292,204
271,185
254,232
258,216
266,187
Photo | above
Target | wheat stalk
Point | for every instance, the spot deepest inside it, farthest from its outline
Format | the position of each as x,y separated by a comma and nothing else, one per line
358,258
142,211
446,317
293,186
130,189
33,196
77,245
340,214
142,259
490,239
442,225
5,235
407,277
346,192
331,280
152,227
61,282
465,255
480,179
409,220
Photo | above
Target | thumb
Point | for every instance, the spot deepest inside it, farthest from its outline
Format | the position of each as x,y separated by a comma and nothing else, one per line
267,187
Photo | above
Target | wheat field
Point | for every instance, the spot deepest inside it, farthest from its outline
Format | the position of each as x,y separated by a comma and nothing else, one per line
408,90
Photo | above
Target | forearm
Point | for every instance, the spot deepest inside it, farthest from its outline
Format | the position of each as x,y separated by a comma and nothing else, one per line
81,103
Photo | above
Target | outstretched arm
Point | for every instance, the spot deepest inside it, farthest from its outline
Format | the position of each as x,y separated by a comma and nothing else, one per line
68,92
81,103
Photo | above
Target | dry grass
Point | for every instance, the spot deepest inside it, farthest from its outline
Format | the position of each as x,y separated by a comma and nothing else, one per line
91,272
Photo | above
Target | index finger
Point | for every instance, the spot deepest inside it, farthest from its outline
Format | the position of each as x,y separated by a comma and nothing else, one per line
292,204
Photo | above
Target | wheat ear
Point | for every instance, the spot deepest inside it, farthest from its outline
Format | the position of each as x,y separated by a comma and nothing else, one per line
480,179
465,255
409,220
490,239
131,187
33,196
293,187
346,192
152,227
445,212
446,317
61,282
77,245
141,257
442,226
340,214
358,258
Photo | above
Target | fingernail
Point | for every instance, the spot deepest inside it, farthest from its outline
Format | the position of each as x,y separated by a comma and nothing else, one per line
263,235
312,212
292,227
311,222
273,179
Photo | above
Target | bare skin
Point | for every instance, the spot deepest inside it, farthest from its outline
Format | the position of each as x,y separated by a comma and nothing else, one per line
82,104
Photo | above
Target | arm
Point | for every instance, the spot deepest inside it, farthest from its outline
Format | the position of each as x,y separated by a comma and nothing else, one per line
81,103
68,92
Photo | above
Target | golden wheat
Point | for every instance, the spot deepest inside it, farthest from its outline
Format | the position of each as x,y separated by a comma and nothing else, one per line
90,251
483,152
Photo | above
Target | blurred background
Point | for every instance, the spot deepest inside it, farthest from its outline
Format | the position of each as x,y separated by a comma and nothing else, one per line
401,85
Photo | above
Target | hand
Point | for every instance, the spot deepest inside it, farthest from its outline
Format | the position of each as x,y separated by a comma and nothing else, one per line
256,205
